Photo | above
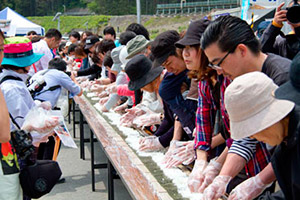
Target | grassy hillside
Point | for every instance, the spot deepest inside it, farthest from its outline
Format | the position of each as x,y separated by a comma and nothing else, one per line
67,23
96,23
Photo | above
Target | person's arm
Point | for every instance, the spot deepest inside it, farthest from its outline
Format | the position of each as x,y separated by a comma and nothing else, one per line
269,36
4,122
177,131
71,84
91,70
217,140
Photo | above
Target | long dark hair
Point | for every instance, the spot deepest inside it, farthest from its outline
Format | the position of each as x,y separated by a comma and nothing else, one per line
203,72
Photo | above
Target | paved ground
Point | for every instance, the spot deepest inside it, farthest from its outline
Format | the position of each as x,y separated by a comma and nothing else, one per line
77,173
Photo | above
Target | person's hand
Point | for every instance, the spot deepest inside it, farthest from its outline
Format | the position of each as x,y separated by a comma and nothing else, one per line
45,105
48,126
103,94
112,89
182,153
127,120
103,100
210,172
74,73
103,109
135,111
217,188
150,143
196,176
249,189
170,151
97,88
121,108
280,15
147,120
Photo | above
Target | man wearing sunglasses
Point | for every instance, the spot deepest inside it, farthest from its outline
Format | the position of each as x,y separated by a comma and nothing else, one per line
233,50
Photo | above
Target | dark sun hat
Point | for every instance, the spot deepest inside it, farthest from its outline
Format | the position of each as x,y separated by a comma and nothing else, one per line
140,72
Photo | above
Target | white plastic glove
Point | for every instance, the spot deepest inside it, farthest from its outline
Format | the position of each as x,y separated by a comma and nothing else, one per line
45,105
135,111
127,119
249,189
182,153
210,172
103,94
103,100
47,127
112,89
121,108
97,88
217,188
147,120
150,143
196,177
169,153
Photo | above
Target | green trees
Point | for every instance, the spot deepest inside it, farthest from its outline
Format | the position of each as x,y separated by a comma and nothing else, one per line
103,7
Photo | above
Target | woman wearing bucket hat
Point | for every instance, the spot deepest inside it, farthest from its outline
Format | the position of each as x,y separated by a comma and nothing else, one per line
274,121
9,178
18,57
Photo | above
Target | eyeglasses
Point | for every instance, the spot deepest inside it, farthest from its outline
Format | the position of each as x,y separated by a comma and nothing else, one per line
217,66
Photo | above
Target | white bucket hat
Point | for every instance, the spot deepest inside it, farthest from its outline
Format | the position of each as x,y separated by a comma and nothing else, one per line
122,57
251,105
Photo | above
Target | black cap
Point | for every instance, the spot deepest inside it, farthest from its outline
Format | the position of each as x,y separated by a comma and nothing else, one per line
291,89
90,41
140,72
193,33
163,46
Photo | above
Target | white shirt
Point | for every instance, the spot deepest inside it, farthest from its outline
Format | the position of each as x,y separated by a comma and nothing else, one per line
17,97
41,47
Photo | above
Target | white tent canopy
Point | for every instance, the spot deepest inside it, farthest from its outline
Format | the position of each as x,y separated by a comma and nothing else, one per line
19,25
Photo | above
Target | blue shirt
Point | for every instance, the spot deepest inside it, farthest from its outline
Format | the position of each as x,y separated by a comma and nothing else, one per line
52,78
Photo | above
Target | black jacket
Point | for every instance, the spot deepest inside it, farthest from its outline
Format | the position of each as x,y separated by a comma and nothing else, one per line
286,159
274,41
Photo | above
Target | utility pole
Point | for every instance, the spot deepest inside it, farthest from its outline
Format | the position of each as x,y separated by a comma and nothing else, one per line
138,11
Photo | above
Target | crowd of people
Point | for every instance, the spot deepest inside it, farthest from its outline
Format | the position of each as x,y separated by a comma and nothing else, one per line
215,96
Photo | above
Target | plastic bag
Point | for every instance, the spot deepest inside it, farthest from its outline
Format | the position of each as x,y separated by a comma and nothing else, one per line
63,102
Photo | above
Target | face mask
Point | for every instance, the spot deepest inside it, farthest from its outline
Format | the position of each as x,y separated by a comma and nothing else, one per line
73,57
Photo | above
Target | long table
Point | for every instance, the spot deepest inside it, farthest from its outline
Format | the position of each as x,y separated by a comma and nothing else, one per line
138,180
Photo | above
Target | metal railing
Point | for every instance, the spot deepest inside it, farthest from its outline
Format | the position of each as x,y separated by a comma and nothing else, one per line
198,4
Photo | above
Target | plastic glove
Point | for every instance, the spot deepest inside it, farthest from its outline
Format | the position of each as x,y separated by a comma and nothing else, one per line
121,108
210,172
112,89
169,153
45,105
97,88
103,94
147,120
196,175
182,153
103,100
127,120
48,126
150,143
249,189
135,111
217,188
